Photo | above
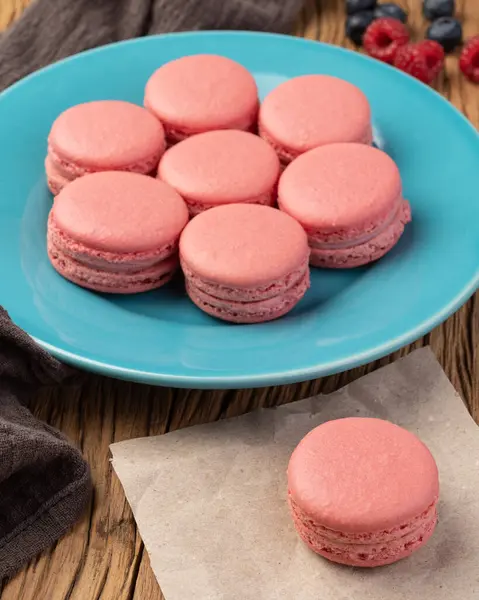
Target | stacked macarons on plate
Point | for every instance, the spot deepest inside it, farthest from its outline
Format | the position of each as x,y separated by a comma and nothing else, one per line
346,317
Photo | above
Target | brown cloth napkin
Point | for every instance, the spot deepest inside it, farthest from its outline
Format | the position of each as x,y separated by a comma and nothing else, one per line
44,482
52,29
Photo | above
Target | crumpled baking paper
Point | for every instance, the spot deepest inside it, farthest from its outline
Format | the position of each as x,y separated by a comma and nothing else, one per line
210,501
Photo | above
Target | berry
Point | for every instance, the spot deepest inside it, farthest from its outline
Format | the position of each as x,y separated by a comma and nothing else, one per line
424,60
447,31
469,61
357,24
356,6
384,37
389,9
434,9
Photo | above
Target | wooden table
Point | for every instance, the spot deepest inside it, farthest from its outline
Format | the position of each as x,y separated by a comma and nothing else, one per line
103,558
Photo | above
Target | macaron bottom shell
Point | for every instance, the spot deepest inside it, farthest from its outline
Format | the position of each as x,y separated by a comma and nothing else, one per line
384,548
258,311
56,179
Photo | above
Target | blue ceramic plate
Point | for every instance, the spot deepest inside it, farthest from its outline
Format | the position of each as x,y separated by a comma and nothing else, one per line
346,319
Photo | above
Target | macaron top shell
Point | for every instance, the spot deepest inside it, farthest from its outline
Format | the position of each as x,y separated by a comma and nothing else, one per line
360,475
243,245
120,212
311,110
106,134
202,92
340,187
221,167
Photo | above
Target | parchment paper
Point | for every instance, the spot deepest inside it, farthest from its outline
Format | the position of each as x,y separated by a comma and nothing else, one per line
210,501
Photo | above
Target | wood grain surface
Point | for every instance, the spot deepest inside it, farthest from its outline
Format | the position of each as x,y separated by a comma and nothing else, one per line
103,557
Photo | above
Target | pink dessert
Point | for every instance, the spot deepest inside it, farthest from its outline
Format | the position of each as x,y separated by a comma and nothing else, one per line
245,263
221,167
363,492
348,198
116,232
313,110
105,135
202,92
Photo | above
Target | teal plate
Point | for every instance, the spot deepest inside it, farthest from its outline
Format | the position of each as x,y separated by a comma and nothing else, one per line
347,318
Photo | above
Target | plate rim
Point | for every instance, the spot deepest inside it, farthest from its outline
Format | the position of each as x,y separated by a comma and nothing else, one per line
271,378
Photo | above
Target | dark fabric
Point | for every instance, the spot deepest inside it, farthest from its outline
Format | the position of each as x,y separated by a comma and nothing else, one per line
52,29
44,482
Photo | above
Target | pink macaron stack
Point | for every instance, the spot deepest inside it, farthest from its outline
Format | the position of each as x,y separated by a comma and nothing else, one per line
348,197
311,111
128,179
221,167
363,492
116,232
245,263
105,135
201,93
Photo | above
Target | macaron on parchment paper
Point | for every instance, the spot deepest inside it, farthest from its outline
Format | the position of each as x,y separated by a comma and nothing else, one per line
363,492
245,263
103,135
313,110
116,232
202,92
348,197
221,167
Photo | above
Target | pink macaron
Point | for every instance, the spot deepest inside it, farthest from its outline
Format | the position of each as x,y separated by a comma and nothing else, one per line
202,92
105,135
348,198
363,492
116,232
245,263
313,110
221,167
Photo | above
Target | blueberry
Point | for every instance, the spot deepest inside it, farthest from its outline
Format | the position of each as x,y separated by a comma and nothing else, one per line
356,6
434,9
447,31
389,9
357,24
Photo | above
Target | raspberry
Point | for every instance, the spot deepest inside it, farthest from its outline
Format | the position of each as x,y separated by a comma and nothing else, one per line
424,60
384,37
469,61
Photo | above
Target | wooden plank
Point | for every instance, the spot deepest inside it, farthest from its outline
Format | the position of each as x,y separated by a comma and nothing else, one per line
103,557
11,10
